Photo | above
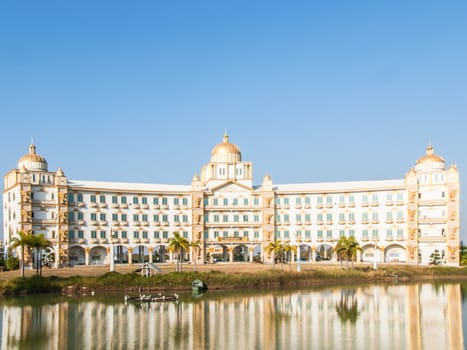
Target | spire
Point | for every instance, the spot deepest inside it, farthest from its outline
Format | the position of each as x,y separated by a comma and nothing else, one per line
32,149
225,139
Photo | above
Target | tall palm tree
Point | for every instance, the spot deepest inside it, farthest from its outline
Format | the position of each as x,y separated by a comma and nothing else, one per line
178,244
276,248
195,245
39,243
23,241
346,249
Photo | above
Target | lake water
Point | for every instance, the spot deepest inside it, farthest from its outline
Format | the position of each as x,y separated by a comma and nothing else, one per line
417,316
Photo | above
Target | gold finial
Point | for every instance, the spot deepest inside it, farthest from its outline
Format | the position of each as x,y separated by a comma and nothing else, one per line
32,149
429,150
226,137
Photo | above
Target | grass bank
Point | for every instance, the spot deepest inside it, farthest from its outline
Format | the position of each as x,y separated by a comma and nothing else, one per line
130,282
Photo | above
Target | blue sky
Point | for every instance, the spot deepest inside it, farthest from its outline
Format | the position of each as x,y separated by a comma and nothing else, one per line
311,91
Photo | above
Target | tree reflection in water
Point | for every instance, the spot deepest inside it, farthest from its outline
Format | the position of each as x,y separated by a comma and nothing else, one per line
347,307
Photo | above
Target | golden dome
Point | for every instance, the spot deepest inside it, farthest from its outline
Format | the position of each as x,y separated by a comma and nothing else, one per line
225,147
32,160
430,156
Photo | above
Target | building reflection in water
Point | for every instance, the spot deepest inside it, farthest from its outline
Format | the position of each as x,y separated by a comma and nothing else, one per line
383,317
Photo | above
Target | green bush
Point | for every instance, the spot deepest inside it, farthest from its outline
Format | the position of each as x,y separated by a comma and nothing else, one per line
12,263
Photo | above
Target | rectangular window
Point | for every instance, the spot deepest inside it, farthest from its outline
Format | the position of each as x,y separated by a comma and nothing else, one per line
351,199
185,218
256,234
307,233
165,218
93,234
93,216
216,218
206,235
328,234
103,234
374,216
400,215
71,234
124,234
206,217
320,233
101,199
79,197
114,200
245,218
235,201
164,201
144,200
155,201
364,216
70,197
277,201
245,201
351,216
225,218
135,234
176,201
329,217
124,217
123,200
341,199
114,217
328,200
93,198
341,217
165,234
176,218
307,200
286,217
320,200
374,198
225,234
185,201
400,196
298,234
320,217
135,217
185,234
236,234
215,201
374,233
298,217
255,201
298,200
400,233
307,217
80,234
389,197
286,234
389,233
135,200
341,233
216,234
155,217
102,216
71,216
144,217
351,233
389,215
286,200
80,216
256,218
365,233
156,234
226,201
365,198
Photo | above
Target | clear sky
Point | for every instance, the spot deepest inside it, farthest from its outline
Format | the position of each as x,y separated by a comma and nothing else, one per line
311,91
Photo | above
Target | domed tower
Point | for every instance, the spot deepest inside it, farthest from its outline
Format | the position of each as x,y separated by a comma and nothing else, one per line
35,202
433,211
32,160
226,165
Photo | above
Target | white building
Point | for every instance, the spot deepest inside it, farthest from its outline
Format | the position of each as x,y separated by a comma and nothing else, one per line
404,220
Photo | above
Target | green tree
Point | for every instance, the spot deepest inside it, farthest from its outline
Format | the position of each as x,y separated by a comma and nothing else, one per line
288,250
346,249
178,244
277,249
195,246
23,241
39,243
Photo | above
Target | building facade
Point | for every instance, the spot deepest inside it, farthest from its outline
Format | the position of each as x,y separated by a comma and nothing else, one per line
414,219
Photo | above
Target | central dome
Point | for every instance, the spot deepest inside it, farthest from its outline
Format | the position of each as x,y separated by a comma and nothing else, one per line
32,160
226,151
430,161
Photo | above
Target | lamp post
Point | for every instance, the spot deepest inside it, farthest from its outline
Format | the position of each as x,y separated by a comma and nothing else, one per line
112,262
375,266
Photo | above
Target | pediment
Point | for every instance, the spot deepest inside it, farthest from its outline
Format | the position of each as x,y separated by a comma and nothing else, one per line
231,187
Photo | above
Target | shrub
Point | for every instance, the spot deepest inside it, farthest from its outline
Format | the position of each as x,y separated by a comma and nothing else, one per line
12,263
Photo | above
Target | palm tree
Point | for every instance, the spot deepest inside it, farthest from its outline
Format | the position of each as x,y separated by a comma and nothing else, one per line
39,243
23,241
347,248
178,244
288,249
276,248
195,245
